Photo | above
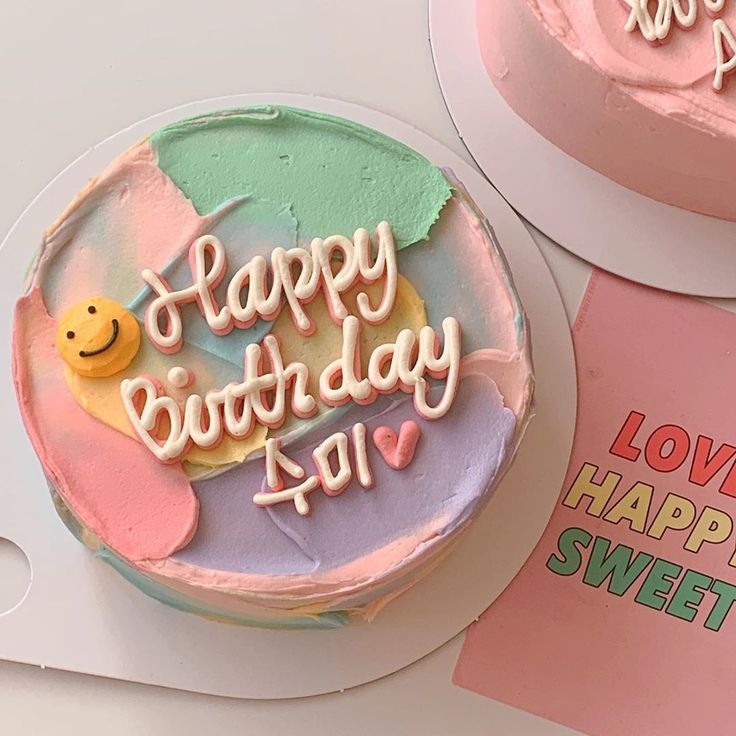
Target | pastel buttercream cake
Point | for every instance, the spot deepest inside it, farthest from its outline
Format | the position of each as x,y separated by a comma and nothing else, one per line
640,90
272,363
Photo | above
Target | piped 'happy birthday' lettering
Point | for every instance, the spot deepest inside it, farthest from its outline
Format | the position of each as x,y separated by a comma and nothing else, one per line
316,270
270,388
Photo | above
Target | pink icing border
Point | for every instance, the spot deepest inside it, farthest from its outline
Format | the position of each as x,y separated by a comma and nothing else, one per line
139,508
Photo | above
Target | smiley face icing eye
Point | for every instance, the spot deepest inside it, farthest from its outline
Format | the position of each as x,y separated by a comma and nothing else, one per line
70,335
91,309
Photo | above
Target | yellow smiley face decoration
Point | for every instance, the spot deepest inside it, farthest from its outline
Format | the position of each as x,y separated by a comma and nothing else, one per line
98,337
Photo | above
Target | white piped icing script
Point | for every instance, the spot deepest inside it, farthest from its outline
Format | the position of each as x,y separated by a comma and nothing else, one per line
169,427
316,268
655,27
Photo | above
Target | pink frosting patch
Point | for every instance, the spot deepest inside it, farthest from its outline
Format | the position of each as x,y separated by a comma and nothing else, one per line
133,209
141,508
511,372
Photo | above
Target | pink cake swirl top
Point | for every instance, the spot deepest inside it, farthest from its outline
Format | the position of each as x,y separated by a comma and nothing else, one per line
681,67
625,88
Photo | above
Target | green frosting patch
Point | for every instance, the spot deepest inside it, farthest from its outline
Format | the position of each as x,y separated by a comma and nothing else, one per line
333,174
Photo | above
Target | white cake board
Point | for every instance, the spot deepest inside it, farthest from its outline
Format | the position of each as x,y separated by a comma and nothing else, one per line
606,224
80,615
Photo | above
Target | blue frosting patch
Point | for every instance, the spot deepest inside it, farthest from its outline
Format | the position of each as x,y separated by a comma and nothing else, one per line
247,229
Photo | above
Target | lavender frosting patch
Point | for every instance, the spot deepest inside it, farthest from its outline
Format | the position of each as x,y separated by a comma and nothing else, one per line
456,459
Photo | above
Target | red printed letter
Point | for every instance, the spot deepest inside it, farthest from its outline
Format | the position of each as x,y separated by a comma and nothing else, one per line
654,450
622,446
706,466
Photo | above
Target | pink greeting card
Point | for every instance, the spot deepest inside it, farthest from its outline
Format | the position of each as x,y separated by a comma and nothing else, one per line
622,621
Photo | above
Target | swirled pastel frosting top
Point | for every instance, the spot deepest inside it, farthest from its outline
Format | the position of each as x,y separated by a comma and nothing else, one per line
275,354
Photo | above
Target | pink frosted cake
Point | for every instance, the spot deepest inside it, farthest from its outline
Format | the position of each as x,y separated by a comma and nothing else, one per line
272,363
640,90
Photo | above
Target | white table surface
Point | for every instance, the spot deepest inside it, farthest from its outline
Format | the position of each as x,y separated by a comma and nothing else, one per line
77,71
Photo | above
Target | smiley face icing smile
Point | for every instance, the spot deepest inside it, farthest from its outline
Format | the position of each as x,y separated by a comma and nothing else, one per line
107,345
98,337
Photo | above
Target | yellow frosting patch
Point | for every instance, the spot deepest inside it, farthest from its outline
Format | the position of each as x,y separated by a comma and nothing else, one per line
100,397
324,346
98,337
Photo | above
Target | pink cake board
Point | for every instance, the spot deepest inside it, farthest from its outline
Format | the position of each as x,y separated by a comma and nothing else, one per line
585,212
79,615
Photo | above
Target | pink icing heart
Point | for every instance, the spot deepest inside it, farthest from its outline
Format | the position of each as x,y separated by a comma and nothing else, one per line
398,452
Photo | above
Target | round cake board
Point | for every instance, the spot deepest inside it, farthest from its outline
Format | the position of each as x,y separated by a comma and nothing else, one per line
598,220
78,614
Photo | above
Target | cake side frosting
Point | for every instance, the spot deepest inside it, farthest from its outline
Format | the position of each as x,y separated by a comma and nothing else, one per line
643,114
312,450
